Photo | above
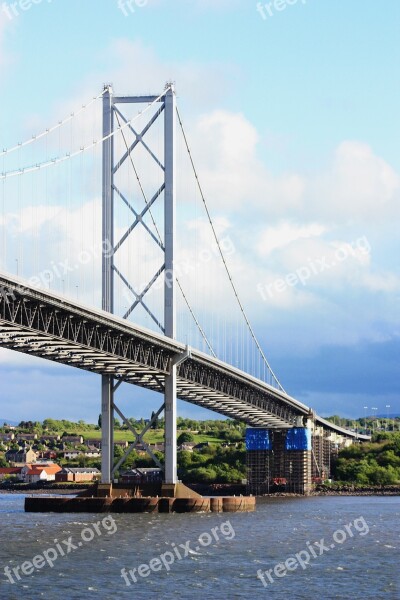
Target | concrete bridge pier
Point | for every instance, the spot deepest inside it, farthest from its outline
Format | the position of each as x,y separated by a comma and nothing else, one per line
280,460
291,460
291,465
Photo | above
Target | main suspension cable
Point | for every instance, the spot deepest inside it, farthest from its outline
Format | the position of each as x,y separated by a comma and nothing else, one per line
38,136
70,155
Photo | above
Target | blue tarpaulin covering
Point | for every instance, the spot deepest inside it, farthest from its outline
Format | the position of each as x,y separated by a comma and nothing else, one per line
298,438
258,439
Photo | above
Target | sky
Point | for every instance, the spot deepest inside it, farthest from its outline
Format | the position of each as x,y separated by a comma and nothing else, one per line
292,113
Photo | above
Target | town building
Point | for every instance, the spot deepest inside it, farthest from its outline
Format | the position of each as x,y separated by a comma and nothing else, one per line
141,475
78,474
7,472
18,458
37,473
27,437
72,439
7,437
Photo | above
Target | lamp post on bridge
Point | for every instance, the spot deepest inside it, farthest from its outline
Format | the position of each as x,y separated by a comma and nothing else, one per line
374,423
387,416
365,419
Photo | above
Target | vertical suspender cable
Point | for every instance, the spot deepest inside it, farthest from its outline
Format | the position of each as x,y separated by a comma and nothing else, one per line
253,335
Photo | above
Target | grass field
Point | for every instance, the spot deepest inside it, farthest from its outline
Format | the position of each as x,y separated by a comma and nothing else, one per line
153,436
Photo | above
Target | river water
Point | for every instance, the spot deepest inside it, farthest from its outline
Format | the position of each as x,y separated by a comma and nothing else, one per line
311,548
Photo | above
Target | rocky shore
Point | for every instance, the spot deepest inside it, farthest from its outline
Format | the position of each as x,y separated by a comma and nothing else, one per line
354,490
225,489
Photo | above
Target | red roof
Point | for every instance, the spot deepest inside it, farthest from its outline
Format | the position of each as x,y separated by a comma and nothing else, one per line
48,469
10,470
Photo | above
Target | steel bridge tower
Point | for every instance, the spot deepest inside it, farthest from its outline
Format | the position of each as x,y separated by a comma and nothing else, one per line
111,163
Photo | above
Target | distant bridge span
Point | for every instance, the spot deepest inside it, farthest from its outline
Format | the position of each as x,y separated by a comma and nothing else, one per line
43,324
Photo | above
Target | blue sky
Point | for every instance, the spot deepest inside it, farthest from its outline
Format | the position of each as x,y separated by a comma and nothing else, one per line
294,119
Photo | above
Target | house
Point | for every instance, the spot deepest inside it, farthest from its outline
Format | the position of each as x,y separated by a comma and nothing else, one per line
92,452
71,454
21,457
10,472
45,439
93,442
202,445
36,473
27,437
72,439
7,437
121,444
187,446
48,455
78,475
33,473
24,470
142,475
157,447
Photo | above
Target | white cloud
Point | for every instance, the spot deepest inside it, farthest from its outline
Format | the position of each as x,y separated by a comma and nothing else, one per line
142,71
283,234
3,25
202,5
5,55
359,185
380,282
225,148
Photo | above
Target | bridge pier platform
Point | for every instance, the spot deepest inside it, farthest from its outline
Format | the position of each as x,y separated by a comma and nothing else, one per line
124,499
148,498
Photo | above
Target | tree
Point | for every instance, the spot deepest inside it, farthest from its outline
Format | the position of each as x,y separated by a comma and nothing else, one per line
99,421
232,436
185,438
82,461
155,424
203,475
184,459
118,452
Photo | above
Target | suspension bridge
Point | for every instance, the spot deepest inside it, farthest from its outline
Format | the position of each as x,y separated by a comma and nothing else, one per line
113,189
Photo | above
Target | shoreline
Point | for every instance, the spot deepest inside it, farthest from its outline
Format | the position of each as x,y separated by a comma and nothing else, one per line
217,490
44,491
